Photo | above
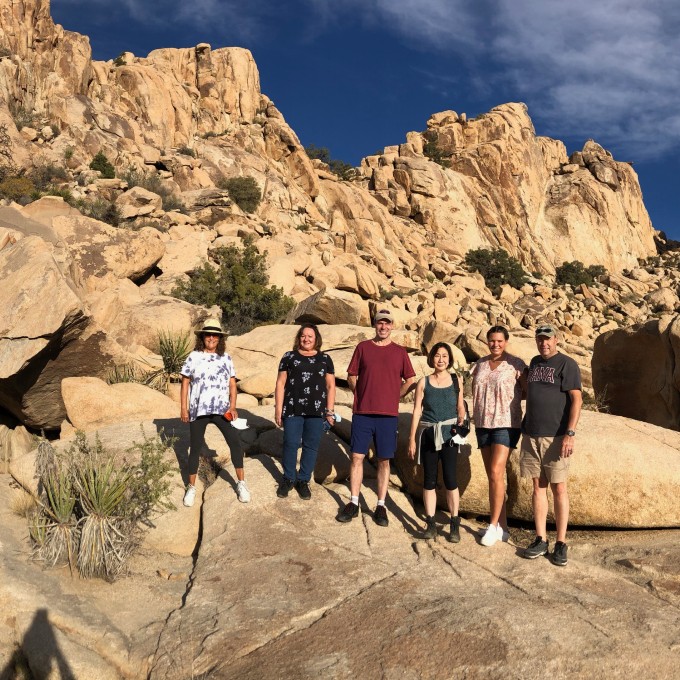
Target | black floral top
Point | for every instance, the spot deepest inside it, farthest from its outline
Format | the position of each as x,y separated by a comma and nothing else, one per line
305,391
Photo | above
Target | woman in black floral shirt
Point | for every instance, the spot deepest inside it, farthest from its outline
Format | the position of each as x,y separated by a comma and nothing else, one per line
305,398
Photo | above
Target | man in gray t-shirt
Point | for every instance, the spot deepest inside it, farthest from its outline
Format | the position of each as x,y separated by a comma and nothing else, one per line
553,384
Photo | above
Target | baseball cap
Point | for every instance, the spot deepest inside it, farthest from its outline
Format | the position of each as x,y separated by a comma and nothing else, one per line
546,329
383,315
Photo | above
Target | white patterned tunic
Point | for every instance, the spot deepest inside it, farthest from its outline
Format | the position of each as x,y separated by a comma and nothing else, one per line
210,374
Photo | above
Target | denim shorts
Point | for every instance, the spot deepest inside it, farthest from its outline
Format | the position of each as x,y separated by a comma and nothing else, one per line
380,429
506,436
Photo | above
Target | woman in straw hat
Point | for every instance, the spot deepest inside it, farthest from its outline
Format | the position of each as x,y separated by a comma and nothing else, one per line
208,395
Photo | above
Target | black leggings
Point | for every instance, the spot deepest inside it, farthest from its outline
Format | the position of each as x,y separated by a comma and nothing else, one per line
197,440
429,457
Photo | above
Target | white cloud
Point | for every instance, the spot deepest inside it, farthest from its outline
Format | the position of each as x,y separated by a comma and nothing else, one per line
607,69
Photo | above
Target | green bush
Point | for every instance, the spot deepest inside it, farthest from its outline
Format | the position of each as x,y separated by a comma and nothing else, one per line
99,209
244,191
19,189
102,164
497,267
432,151
340,168
8,168
152,182
186,151
239,284
21,116
44,176
574,273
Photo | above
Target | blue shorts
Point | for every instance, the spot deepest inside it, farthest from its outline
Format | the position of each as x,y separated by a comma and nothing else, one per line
506,436
381,429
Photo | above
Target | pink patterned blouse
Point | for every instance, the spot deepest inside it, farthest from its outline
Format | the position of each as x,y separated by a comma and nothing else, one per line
497,394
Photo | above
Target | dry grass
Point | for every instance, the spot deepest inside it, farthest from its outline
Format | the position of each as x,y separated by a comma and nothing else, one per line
23,503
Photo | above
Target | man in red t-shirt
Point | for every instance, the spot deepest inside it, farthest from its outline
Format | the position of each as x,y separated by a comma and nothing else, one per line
379,374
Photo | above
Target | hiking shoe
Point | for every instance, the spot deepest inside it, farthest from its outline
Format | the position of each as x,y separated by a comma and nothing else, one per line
492,534
380,516
284,488
503,535
430,529
242,491
559,554
303,490
189,495
454,534
536,549
348,513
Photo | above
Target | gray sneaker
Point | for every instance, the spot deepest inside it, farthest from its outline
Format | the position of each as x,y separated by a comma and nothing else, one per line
536,549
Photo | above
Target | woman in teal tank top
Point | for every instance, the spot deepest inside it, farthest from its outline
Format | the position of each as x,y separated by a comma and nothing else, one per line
438,405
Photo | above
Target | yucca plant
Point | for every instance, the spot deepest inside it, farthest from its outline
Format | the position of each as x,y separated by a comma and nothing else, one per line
58,525
174,348
126,373
45,460
105,540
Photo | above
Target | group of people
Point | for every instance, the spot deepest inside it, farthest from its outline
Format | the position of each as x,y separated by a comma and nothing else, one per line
380,373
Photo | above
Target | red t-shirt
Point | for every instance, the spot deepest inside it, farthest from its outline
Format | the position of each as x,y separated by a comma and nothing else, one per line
380,371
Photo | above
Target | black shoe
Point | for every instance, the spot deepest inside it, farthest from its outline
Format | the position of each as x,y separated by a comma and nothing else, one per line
284,488
536,549
348,513
430,529
380,516
454,534
303,490
559,554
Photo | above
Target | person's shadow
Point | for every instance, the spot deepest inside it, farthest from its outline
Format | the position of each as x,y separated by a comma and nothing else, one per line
44,649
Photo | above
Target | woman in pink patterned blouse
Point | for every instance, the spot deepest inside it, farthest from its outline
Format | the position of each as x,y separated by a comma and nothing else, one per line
497,383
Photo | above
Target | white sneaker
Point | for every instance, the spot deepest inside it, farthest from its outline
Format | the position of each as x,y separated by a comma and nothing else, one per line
242,492
503,535
492,534
189,495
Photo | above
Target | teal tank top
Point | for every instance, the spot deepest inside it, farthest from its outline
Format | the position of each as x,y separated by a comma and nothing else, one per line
440,403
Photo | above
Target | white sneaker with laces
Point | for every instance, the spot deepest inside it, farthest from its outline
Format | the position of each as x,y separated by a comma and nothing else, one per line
491,535
242,492
189,495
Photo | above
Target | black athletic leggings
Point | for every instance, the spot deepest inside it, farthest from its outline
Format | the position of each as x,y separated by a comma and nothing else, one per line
197,440
429,457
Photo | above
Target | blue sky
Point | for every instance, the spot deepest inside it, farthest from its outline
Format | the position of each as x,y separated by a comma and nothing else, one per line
356,75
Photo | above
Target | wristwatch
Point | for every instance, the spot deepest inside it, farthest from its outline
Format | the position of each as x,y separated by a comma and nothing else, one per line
571,433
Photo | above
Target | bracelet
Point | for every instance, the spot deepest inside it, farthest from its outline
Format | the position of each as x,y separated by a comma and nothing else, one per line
330,412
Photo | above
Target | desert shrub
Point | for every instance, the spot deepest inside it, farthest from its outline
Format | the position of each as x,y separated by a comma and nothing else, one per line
120,60
99,209
173,348
186,151
244,191
56,130
5,52
21,116
8,167
152,182
19,189
340,168
496,266
68,153
432,151
101,164
93,508
574,273
44,176
126,373
239,284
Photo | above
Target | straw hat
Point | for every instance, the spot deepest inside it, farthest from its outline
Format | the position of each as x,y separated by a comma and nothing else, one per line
211,326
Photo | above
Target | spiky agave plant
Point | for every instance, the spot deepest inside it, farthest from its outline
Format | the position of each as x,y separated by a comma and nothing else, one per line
173,348
105,537
54,529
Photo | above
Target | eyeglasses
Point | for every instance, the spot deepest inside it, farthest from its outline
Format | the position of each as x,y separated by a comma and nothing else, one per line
211,335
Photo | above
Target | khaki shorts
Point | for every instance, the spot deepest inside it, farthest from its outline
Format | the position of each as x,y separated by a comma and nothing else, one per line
540,457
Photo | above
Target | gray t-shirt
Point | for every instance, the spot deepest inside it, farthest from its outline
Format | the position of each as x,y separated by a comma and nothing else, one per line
548,400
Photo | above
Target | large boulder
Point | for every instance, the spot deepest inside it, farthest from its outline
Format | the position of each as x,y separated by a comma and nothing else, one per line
45,334
92,404
636,371
330,306
616,479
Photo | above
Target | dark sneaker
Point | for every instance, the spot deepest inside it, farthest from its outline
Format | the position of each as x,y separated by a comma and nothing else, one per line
380,516
559,554
348,513
454,534
284,488
303,490
536,549
430,529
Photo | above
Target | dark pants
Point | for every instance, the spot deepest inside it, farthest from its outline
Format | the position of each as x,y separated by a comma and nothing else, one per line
429,457
305,429
197,440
